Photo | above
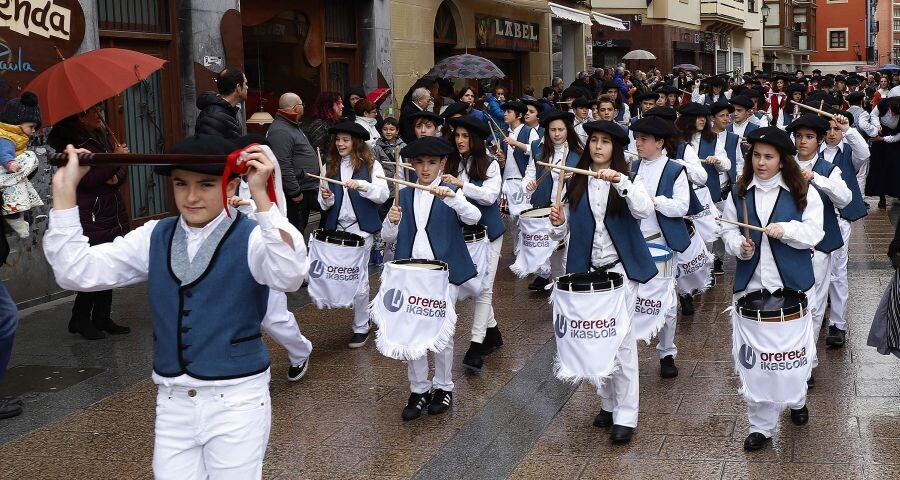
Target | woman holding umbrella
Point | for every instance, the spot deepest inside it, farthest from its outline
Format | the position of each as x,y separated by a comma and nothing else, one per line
101,209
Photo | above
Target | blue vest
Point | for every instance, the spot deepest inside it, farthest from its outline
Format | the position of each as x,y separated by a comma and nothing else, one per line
365,210
747,130
794,265
541,131
673,229
620,114
833,239
857,207
196,329
543,194
708,149
695,205
625,232
519,155
490,216
709,99
444,232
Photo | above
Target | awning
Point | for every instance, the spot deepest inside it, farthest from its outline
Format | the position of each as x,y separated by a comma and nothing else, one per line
607,21
570,14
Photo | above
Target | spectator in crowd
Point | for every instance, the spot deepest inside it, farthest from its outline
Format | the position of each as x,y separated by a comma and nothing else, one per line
219,111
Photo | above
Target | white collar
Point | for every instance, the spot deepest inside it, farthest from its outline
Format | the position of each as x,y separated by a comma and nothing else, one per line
766,185
205,230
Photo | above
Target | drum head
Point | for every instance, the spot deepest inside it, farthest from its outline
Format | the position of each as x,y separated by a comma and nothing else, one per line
538,212
419,263
590,281
337,237
690,227
762,304
474,233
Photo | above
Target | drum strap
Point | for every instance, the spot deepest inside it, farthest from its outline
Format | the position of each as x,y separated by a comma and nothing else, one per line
345,227
653,237
604,268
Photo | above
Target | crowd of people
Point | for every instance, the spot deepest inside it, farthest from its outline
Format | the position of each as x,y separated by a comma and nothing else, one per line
624,194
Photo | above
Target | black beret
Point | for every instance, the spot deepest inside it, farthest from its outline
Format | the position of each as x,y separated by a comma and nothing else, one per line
826,82
551,115
199,145
738,90
457,108
572,92
694,109
817,98
515,106
796,87
667,89
609,85
717,82
852,81
614,130
435,118
351,128
773,136
719,106
534,103
757,91
855,97
646,96
655,126
810,121
582,102
840,78
427,146
742,100
664,112
844,113
472,125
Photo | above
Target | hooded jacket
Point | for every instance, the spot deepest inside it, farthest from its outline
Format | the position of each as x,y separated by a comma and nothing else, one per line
217,116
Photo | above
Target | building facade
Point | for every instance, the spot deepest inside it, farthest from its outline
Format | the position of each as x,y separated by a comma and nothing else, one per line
887,32
841,27
789,34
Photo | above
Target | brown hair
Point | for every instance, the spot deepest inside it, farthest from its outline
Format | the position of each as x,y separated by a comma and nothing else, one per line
362,106
615,204
571,138
360,154
790,173
480,161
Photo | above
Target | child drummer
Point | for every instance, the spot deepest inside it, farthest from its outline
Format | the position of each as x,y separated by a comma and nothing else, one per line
602,216
775,189
210,364
428,225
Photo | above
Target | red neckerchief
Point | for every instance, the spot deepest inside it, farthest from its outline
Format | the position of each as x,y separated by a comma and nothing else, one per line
231,165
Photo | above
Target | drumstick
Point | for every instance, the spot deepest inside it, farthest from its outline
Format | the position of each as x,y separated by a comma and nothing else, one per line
321,167
497,125
746,225
746,218
567,168
411,184
243,202
336,182
561,181
397,175
814,109
402,165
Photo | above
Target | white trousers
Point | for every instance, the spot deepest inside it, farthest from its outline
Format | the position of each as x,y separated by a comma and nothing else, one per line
665,345
212,432
281,325
483,317
839,289
861,177
763,416
819,293
417,370
361,299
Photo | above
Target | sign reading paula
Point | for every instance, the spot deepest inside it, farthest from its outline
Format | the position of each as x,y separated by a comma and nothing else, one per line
506,34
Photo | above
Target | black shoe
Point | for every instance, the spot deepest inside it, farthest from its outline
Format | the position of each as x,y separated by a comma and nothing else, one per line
415,405
810,382
358,340
800,417
10,407
882,203
603,419
835,337
620,434
538,284
296,372
112,327
667,368
85,327
718,267
473,360
755,441
687,304
441,401
73,325
492,341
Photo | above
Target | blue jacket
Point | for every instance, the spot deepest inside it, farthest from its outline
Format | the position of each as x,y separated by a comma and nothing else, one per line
673,229
494,110
365,210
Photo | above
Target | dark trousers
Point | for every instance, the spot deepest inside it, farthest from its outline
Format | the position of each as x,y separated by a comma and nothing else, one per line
9,321
298,213
95,306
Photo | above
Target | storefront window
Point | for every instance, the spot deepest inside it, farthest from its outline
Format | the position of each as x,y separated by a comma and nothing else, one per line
150,16
340,21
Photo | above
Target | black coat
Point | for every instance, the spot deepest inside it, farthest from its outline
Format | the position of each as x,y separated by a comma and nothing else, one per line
295,156
217,116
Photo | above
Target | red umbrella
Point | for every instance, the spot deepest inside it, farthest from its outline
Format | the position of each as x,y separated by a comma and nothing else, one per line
78,83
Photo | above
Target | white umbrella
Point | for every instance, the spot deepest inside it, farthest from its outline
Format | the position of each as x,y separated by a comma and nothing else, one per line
639,55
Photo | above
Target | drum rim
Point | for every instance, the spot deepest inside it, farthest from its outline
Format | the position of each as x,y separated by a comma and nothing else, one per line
319,233
751,314
522,214
480,233
616,281
408,261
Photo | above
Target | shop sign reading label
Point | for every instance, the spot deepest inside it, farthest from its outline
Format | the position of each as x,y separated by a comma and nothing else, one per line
506,34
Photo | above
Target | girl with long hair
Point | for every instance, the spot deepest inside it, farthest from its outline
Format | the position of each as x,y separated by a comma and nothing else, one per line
477,175
601,216
796,94
354,206
772,187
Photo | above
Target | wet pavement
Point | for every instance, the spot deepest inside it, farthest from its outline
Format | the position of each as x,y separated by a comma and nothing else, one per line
90,405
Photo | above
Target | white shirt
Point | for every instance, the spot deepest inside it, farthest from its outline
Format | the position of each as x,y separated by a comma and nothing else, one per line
579,130
724,163
489,191
511,170
864,121
650,174
692,165
803,234
126,261
740,128
832,186
857,145
785,119
763,121
560,152
888,120
376,191
603,252
422,201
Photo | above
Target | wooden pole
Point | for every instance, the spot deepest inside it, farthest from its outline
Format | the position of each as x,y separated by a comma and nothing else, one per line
751,227
331,180
567,168
411,184
816,110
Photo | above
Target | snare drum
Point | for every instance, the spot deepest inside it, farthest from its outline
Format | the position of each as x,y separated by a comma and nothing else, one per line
337,237
590,282
419,263
663,258
779,306
537,212
474,233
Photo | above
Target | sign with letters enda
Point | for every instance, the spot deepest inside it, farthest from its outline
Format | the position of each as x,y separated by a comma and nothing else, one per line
506,34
